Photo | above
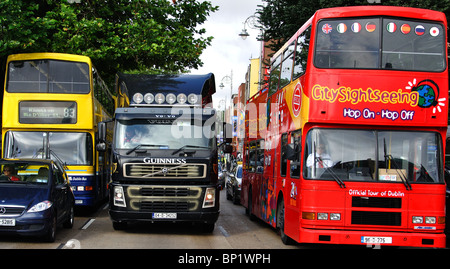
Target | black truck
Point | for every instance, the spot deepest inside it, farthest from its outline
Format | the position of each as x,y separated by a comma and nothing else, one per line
164,150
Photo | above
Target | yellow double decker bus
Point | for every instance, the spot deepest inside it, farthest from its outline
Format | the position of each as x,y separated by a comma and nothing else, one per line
52,103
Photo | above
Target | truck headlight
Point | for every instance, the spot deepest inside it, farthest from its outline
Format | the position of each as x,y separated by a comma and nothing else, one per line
119,197
160,98
171,98
149,98
210,198
138,98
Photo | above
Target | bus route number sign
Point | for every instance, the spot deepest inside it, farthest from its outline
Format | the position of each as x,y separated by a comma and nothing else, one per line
48,112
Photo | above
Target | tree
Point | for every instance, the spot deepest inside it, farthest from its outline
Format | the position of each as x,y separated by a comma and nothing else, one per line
119,35
282,18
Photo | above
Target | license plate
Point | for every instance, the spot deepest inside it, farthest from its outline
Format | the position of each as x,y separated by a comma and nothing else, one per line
376,240
164,215
7,222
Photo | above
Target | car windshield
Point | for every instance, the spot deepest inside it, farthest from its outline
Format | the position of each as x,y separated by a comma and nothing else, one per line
380,43
164,134
373,155
68,148
24,173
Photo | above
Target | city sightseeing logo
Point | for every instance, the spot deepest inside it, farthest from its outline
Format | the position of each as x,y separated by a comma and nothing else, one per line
428,92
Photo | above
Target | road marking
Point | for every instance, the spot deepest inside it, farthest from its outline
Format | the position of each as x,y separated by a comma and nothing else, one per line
223,231
87,224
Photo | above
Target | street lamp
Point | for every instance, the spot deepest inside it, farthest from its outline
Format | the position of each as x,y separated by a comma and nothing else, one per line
252,23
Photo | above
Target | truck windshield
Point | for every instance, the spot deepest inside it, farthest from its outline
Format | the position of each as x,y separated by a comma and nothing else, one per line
373,155
164,134
69,148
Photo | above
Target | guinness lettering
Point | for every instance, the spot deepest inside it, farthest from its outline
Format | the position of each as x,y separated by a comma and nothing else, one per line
164,160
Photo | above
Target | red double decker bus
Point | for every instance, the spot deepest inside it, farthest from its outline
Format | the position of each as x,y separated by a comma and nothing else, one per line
348,144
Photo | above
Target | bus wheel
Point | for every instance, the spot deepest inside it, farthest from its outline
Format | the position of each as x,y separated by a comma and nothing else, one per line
249,209
280,224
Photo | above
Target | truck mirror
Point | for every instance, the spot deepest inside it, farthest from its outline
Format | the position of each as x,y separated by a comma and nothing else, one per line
101,147
227,132
227,149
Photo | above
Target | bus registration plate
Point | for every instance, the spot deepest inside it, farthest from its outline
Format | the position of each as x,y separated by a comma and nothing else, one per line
164,215
376,240
7,222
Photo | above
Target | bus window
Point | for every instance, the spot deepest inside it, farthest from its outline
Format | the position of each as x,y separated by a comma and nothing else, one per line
351,155
301,53
283,159
344,44
275,76
260,156
286,69
296,140
424,52
42,76
357,43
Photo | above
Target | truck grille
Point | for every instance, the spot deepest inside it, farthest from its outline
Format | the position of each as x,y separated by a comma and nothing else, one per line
164,198
143,170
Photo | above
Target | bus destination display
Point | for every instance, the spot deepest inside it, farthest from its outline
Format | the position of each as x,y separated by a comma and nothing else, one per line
47,112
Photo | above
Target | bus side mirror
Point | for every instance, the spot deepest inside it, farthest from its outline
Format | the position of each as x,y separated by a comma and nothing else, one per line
292,150
102,132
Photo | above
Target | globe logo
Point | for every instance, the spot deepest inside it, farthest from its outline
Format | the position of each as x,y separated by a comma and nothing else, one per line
428,91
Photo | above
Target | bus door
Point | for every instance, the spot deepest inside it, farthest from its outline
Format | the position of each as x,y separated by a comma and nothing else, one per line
291,150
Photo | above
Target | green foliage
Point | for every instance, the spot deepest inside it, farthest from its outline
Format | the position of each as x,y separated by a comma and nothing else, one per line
282,18
119,35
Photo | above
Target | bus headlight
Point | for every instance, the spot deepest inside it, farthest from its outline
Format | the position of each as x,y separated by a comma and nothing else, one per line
417,219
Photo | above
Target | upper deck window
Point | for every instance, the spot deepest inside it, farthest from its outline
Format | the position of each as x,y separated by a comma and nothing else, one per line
380,43
48,76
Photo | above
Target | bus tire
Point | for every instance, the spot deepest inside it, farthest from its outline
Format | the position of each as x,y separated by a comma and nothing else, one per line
280,223
249,209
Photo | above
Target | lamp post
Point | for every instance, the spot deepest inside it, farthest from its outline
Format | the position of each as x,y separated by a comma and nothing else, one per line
229,80
252,23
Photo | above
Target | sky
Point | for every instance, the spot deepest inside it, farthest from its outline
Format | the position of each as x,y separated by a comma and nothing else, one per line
228,56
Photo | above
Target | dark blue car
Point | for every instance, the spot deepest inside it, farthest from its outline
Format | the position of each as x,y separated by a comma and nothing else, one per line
35,197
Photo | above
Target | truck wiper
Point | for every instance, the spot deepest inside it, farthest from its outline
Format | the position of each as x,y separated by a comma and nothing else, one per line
400,173
144,145
191,146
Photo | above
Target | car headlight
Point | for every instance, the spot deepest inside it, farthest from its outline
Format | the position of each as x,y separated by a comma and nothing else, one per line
40,207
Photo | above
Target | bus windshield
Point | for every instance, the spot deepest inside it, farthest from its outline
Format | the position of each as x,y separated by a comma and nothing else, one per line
380,43
48,76
69,148
373,155
163,134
